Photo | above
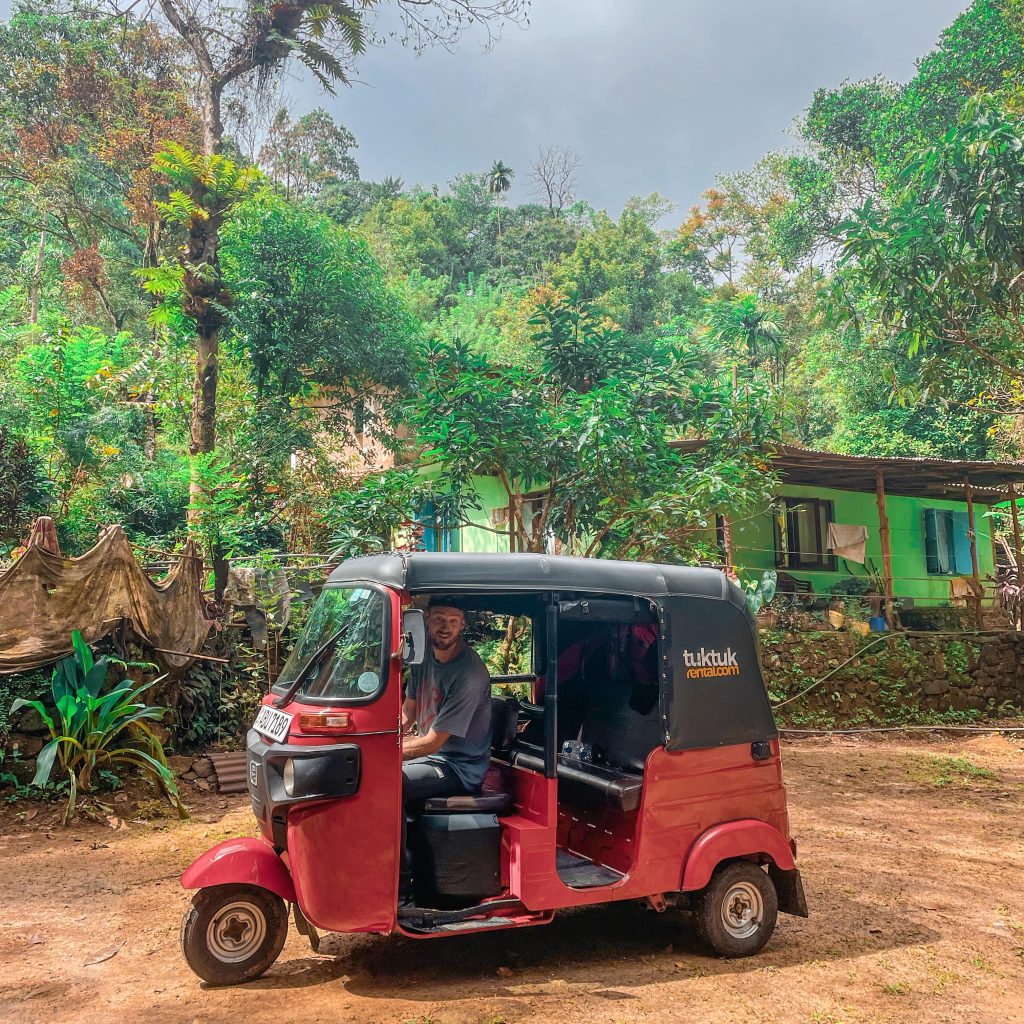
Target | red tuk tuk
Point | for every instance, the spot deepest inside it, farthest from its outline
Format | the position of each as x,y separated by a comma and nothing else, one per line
646,767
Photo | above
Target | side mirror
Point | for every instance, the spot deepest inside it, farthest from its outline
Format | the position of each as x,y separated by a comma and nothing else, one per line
414,636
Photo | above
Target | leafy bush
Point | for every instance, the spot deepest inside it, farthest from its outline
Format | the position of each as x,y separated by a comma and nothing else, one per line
760,592
92,731
18,685
24,489
216,704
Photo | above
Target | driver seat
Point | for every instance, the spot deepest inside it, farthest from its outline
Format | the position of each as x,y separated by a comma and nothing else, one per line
493,800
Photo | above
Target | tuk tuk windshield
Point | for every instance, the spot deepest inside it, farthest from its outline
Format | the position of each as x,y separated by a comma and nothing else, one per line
341,651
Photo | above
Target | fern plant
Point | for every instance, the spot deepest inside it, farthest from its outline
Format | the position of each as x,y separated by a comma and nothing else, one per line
93,730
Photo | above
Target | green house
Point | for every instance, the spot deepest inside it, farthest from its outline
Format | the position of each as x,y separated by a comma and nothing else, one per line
916,529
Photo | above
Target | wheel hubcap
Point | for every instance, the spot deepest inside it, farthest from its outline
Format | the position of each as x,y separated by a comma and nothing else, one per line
742,910
236,931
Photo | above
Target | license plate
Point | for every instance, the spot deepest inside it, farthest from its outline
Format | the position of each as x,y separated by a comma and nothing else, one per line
272,723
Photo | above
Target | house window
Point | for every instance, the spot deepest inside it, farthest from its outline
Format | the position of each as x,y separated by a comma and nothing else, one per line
437,535
531,509
801,534
947,548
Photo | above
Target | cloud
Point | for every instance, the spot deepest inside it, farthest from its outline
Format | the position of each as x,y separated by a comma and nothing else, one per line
654,94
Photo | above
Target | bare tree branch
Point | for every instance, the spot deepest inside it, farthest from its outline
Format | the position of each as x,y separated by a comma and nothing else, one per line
553,175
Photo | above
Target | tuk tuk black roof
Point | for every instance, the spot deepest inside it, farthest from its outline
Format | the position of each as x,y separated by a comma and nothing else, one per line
711,688
454,572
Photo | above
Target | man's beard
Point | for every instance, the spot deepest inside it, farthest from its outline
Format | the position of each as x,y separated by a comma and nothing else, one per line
446,643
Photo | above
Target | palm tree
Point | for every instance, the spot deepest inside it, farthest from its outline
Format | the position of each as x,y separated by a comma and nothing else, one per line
499,181
744,322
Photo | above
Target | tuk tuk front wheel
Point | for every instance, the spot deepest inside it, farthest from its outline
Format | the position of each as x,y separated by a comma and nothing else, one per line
736,912
233,933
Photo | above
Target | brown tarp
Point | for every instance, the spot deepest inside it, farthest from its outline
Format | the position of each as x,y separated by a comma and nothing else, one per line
44,596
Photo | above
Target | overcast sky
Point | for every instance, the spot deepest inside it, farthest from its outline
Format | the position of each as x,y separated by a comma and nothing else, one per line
654,95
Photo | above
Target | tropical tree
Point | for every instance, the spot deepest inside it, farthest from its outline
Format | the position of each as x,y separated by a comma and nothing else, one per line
943,256
745,324
307,155
236,42
581,442
499,181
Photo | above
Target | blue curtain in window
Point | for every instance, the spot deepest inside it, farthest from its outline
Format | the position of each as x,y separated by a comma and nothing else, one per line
436,537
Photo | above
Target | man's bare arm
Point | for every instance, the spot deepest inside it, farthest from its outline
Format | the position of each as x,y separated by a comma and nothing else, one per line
408,716
421,746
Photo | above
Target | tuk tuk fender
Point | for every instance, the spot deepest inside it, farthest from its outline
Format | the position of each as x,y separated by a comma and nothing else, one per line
241,862
745,838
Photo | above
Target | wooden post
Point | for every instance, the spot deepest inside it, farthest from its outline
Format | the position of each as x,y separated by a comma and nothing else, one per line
1015,517
883,533
727,542
972,536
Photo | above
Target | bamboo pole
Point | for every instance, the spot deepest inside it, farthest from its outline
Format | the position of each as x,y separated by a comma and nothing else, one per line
1015,517
972,536
883,533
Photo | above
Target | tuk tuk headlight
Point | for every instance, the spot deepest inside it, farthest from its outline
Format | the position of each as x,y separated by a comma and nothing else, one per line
288,776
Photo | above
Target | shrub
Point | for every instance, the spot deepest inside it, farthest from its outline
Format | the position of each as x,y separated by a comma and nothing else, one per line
92,732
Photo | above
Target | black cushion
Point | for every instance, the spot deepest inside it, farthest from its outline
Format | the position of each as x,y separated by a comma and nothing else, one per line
485,803
589,784
504,722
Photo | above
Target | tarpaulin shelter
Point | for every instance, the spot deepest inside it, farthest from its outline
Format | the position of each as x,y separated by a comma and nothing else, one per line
44,596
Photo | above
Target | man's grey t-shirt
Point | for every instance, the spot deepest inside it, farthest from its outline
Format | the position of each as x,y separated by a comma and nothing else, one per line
455,697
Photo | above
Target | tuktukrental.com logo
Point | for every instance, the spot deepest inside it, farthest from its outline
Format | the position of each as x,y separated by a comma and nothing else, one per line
704,663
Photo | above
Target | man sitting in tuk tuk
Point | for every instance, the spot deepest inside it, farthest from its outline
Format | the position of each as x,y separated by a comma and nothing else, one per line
446,718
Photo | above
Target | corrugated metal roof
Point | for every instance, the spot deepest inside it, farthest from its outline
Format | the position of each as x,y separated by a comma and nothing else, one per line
914,475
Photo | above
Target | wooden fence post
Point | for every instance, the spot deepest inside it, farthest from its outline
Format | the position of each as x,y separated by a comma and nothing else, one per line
883,533
972,536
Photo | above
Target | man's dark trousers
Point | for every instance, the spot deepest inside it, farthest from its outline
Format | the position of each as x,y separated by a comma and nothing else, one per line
422,779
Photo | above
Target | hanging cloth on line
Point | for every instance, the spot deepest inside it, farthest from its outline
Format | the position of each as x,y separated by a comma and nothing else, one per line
848,541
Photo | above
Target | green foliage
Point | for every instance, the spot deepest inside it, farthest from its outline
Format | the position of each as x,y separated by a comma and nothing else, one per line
562,348
94,730
305,156
943,772
24,488
212,703
312,314
366,519
19,686
618,266
944,257
760,592
589,429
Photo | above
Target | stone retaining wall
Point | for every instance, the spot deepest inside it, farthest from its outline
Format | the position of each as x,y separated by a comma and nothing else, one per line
907,678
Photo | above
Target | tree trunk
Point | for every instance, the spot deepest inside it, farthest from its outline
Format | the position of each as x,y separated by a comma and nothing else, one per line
203,431
505,655
202,296
213,127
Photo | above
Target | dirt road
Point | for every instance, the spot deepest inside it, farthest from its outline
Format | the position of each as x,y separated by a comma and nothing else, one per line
913,861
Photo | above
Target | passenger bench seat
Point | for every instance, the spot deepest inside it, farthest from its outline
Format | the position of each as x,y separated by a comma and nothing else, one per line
590,785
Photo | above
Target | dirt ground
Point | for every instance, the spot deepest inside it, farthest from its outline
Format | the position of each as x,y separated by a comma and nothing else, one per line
912,858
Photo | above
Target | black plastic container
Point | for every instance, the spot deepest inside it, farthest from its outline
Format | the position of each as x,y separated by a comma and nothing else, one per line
456,858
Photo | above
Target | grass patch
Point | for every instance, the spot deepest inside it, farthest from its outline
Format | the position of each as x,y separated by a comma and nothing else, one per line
950,771
897,988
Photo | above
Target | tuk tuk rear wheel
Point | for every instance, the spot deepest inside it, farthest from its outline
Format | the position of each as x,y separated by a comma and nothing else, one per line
736,912
233,933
